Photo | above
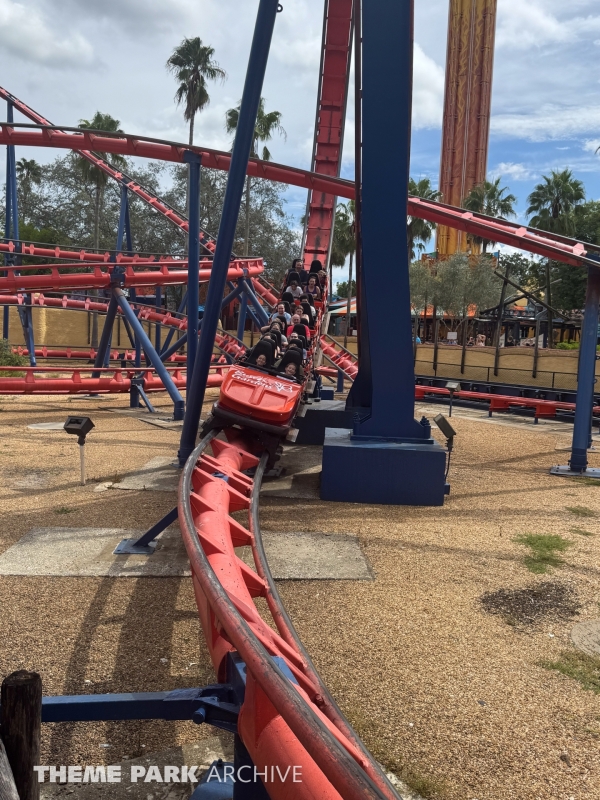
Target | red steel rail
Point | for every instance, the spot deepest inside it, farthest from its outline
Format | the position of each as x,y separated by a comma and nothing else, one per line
113,380
334,72
559,248
92,276
282,721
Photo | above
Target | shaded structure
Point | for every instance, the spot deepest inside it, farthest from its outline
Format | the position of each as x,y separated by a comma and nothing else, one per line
467,103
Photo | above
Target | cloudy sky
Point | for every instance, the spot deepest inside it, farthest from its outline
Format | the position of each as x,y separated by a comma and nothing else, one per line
70,58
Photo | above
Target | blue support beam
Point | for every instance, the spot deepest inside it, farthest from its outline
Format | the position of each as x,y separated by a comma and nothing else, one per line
103,353
217,705
586,379
143,338
171,333
389,458
158,331
259,311
243,313
193,283
244,138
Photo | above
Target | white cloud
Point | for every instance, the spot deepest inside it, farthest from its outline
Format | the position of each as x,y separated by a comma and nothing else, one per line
524,25
508,169
549,121
591,145
27,34
428,91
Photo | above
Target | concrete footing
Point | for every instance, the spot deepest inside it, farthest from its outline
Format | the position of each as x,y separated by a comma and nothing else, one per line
379,471
314,419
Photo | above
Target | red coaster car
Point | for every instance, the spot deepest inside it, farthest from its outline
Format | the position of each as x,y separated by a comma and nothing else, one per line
257,399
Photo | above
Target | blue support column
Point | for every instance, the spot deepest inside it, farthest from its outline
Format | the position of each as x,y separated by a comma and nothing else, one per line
586,379
390,457
242,318
136,339
103,354
259,311
142,337
158,331
180,310
257,64
193,284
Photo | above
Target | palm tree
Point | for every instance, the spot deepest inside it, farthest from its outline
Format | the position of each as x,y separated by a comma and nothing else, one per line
94,175
344,244
192,64
553,202
419,229
267,124
489,198
29,173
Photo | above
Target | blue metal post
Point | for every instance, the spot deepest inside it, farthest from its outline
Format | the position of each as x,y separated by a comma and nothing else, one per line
136,340
257,64
157,333
340,381
242,318
103,353
142,337
193,284
586,377
180,310
389,457
123,220
388,393
254,301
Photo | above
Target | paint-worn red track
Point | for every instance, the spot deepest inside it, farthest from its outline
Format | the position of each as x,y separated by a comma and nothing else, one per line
336,48
288,717
559,248
79,380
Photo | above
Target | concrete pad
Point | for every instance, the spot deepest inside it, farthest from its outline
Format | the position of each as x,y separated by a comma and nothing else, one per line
162,419
88,552
586,636
313,556
301,476
47,426
160,474
200,754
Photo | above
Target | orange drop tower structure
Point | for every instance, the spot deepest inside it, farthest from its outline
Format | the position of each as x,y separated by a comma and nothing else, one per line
467,102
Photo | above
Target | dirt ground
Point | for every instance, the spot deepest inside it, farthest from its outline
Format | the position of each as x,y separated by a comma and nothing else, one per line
440,689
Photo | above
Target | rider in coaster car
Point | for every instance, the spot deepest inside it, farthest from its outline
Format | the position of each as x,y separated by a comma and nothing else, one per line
299,327
291,364
296,341
307,312
313,288
281,311
261,354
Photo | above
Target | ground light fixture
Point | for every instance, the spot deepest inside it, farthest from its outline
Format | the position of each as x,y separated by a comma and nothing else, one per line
452,386
449,432
80,427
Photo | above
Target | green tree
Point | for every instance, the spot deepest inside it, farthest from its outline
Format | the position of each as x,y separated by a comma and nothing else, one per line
267,124
95,176
491,199
192,64
344,244
464,283
419,231
29,173
341,289
553,202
